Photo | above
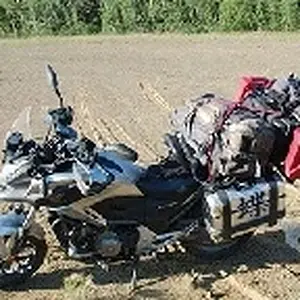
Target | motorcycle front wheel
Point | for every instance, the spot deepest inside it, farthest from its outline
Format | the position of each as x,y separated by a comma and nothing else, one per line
25,261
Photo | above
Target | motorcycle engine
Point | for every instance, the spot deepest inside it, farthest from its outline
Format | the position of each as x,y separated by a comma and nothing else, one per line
82,240
108,244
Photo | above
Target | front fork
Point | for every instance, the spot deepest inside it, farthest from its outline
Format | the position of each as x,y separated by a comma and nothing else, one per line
14,225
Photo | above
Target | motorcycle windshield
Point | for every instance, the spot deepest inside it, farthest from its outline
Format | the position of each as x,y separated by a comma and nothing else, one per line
26,127
22,124
31,123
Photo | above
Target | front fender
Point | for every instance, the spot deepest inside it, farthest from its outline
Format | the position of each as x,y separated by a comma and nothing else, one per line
10,223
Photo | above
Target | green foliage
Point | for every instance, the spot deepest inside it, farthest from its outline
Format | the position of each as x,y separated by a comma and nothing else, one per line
118,16
280,15
237,15
290,14
38,17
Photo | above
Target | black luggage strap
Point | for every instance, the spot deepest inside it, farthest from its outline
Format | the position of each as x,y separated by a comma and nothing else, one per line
273,203
190,118
227,226
229,110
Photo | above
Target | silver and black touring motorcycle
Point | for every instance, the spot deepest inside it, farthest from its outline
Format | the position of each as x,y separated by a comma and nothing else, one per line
102,204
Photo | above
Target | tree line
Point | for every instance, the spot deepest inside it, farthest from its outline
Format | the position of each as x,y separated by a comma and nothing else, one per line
69,17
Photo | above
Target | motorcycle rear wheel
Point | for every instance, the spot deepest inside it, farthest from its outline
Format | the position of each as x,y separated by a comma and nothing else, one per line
18,268
208,251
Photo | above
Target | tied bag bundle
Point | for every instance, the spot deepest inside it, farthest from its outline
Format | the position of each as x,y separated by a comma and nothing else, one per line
224,140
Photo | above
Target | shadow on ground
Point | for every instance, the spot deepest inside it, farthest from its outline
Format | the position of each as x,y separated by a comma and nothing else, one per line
262,251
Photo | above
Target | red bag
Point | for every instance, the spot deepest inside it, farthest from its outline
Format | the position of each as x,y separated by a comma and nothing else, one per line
292,161
248,84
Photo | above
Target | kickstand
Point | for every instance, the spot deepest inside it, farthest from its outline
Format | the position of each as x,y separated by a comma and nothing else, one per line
133,281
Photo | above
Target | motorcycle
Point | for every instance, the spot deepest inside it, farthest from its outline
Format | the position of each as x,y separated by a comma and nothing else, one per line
104,205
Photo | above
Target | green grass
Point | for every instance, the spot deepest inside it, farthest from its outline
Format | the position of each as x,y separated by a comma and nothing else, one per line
22,18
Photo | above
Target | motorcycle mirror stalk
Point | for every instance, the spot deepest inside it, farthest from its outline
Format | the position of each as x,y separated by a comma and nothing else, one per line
54,83
61,117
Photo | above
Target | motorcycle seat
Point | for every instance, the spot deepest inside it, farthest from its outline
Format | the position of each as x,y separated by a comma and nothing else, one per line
175,188
123,151
166,180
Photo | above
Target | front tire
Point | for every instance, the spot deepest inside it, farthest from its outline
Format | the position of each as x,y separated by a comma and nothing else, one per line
20,266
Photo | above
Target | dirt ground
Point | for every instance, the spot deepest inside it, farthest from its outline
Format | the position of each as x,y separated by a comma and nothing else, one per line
127,86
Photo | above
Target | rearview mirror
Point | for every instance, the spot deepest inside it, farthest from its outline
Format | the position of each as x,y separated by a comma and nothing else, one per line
53,82
52,77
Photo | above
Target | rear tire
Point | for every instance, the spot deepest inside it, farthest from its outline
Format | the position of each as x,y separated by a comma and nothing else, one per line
208,251
11,278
